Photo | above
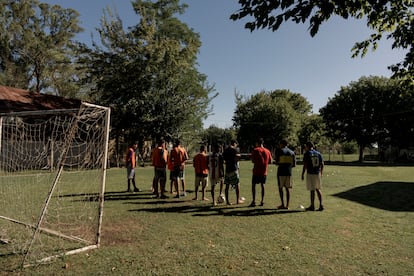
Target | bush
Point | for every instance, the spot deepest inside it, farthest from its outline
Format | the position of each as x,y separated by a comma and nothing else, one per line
349,147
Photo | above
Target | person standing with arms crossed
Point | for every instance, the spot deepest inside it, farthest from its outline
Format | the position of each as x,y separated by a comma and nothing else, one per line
313,164
261,158
286,160
231,156
131,162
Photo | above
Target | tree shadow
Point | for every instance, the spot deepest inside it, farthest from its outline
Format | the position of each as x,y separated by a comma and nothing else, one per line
385,195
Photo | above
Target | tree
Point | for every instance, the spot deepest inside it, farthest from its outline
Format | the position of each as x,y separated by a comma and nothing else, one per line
216,135
148,73
313,129
371,110
272,115
36,47
392,19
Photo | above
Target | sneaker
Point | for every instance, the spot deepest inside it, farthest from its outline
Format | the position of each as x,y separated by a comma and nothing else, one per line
321,208
310,208
177,196
137,190
253,204
261,203
184,194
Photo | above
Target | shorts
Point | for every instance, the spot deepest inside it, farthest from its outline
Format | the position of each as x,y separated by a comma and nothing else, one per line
285,181
259,179
313,181
160,173
232,178
177,173
130,172
215,181
199,179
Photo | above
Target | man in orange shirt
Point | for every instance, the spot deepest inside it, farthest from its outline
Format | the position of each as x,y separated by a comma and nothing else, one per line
200,163
159,161
178,157
130,162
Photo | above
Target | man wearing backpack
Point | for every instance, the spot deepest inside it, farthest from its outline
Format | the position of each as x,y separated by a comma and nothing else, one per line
313,164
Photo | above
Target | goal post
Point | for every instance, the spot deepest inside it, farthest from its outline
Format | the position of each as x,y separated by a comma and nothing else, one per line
52,182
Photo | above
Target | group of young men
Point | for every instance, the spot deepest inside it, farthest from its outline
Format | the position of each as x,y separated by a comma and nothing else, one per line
222,168
285,159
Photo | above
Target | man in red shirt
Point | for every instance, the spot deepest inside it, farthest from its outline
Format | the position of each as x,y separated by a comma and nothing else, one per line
178,157
200,164
159,161
261,158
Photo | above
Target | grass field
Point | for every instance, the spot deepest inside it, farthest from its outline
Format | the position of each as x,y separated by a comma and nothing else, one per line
366,229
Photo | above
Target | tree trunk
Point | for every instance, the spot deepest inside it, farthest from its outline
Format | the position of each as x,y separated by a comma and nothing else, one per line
361,153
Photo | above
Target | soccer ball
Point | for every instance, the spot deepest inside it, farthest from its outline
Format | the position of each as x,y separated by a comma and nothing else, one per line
221,198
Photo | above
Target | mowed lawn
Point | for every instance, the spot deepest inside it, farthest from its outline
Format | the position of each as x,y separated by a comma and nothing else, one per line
365,229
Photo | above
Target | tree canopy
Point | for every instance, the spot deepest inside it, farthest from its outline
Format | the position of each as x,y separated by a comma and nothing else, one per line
36,47
148,73
371,110
271,115
393,20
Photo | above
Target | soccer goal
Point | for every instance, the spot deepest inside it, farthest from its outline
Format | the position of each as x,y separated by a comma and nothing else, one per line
52,183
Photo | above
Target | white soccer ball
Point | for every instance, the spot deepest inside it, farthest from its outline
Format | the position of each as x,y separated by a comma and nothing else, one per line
221,198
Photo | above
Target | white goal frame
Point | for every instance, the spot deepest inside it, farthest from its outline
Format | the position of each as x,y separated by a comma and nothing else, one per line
30,239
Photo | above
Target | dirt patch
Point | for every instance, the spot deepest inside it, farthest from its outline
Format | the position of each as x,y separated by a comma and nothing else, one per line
121,233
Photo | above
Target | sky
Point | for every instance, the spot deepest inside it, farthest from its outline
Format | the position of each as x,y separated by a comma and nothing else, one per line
237,60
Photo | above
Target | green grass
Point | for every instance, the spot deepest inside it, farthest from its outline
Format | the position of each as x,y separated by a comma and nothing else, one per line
366,229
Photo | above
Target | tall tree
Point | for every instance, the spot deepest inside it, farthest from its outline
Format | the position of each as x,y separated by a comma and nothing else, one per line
272,115
392,19
148,73
313,129
371,110
216,135
37,49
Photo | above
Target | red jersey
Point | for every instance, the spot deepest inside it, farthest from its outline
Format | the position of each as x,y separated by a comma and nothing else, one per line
261,158
200,164
159,157
170,163
179,156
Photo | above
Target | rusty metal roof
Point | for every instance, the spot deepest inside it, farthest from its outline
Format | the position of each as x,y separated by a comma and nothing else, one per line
17,100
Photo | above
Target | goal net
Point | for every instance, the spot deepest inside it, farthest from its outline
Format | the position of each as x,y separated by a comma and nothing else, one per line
52,182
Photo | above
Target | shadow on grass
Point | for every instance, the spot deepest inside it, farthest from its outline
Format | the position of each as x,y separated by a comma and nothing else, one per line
181,205
207,210
390,196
